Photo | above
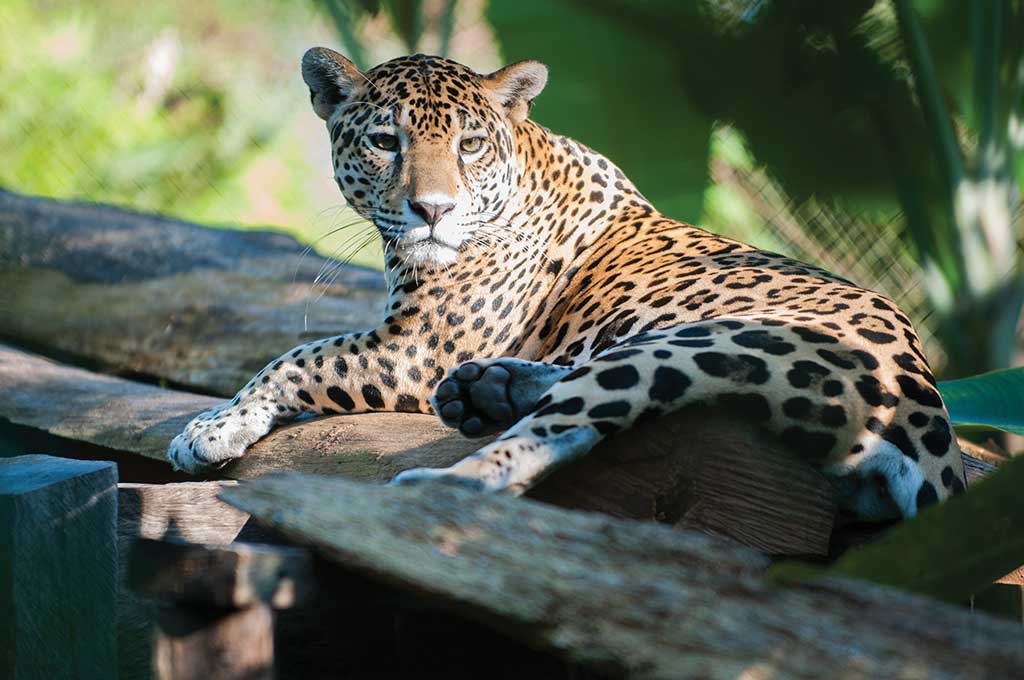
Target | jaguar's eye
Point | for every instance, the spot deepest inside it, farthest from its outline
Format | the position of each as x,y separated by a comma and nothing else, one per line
471,144
384,141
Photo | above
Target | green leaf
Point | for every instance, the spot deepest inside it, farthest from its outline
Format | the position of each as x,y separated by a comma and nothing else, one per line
949,551
617,90
994,399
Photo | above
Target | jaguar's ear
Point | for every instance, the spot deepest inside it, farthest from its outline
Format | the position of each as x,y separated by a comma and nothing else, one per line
332,79
516,86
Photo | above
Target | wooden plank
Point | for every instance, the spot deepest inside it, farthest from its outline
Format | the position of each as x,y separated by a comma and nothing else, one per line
690,468
190,511
138,418
622,596
132,292
58,567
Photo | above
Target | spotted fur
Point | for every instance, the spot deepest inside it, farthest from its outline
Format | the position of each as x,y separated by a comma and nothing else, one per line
533,289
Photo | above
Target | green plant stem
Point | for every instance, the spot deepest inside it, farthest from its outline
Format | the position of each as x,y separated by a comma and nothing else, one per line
447,26
928,92
986,35
344,23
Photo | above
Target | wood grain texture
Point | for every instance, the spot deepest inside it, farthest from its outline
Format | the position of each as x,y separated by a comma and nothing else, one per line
58,567
205,307
189,511
134,417
695,468
622,596
194,644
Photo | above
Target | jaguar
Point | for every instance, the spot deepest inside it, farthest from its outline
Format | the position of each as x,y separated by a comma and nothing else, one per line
533,291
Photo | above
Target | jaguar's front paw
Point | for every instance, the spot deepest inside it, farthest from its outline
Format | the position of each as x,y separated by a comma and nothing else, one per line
218,436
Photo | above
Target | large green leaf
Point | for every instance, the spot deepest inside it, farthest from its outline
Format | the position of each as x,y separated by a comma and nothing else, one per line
949,551
617,90
993,399
797,79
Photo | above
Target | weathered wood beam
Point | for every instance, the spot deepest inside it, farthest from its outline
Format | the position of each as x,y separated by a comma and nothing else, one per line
622,596
58,568
161,297
139,418
695,468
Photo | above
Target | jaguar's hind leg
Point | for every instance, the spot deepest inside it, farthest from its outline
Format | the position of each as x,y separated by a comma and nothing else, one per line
840,412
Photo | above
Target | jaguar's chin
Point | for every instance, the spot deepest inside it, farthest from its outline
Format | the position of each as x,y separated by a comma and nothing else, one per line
428,251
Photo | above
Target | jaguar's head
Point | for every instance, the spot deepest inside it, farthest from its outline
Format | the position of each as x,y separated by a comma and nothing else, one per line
423,147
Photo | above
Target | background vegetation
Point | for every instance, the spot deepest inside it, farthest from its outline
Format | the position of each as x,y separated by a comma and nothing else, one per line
879,138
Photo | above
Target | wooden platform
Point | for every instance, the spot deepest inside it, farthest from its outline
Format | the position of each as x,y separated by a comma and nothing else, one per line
102,322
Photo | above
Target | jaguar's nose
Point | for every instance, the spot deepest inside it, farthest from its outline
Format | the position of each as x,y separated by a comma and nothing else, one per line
431,212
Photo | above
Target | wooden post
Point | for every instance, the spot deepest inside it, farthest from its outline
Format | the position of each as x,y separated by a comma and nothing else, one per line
217,620
58,568
187,511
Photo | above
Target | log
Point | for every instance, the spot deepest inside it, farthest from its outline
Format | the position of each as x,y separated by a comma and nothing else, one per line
129,416
625,597
696,468
132,292
58,561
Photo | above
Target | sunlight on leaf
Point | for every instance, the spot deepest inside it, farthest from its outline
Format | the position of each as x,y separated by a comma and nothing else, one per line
993,400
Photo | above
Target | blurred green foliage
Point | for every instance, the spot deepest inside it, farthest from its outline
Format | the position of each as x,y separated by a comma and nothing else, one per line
174,108
880,105
111,131
815,129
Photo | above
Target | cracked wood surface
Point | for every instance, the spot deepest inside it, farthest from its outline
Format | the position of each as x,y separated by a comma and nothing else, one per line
144,294
622,596
692,469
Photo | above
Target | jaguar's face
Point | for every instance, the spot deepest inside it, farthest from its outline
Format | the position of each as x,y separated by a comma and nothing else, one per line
423,147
